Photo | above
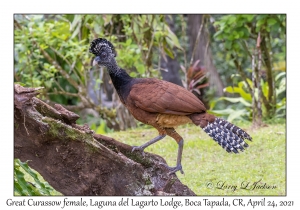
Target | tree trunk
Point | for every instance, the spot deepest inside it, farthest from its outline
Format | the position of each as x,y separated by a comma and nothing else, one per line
172,73
203,51
75,161
171,66
271,104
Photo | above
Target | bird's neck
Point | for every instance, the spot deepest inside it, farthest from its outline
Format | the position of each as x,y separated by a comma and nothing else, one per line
118,75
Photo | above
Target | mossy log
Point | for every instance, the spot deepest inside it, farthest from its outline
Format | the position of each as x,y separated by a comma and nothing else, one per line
75,161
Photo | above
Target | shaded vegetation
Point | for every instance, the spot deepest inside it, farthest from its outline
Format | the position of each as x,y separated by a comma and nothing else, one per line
249,50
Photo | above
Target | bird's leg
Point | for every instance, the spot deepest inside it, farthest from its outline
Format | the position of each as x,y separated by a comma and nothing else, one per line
178,166
179,140
152,141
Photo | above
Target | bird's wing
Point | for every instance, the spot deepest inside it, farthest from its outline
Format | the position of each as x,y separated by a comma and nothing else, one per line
160,96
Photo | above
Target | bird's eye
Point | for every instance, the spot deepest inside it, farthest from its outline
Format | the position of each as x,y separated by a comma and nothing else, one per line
103,55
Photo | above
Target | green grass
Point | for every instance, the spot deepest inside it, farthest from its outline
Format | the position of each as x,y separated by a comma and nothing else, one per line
210,170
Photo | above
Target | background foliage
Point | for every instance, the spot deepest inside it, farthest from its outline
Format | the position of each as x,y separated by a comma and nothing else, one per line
52,51
240,37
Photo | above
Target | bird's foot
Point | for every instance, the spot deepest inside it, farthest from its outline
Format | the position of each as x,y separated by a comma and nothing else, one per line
173,170
138,148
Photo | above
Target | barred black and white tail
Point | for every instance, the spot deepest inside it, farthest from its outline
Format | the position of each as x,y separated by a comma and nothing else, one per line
227,135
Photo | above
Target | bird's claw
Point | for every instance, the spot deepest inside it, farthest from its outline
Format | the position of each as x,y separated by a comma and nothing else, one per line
139,149
173,170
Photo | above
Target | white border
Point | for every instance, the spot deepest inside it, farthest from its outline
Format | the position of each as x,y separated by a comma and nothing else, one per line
154,6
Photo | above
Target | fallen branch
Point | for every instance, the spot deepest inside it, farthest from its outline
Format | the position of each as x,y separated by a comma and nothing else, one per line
75,161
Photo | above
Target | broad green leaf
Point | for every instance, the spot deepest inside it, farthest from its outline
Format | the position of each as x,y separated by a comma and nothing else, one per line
237,114
101,128
24,187
231,19
265,88
237,100
279,75
107,19
19,178
43,46
241,34
223,111
249,17
168,52
260,23
228,43
280,90
219,35
236,46
97,28
174,39
128,41
140,68
41,185
133,74
75,33
271,21
75,22
239,90
213,103
235,35
93,127
249,82
18,188
235,75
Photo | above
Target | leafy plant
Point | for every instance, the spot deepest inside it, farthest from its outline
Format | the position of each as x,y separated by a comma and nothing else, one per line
22,186
242,105
101,128
256,41
242,108
52,51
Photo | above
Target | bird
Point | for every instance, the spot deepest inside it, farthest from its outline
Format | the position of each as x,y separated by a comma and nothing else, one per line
165,106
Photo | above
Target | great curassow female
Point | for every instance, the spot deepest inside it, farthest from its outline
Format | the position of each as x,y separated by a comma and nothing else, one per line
165,105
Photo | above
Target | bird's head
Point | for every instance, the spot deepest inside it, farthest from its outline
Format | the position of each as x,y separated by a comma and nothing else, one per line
104,52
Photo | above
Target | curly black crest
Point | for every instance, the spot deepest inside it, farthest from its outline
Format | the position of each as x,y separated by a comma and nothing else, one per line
97,45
